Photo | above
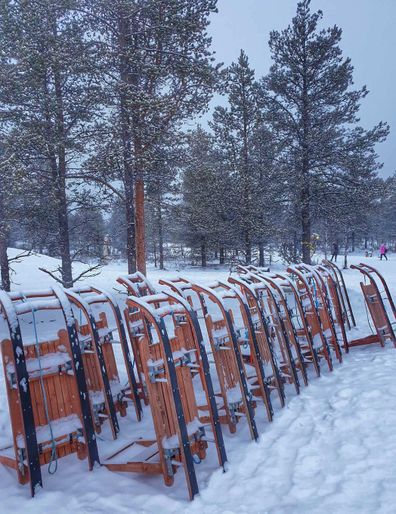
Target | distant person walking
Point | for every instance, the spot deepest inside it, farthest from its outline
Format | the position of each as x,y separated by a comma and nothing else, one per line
383,251
334,251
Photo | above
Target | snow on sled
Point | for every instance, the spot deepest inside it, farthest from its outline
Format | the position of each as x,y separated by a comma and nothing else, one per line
46,386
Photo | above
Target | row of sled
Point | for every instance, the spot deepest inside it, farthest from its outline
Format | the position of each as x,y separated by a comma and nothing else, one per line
199,358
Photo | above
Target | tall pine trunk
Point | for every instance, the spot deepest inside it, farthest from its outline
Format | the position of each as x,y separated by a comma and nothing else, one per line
306,227
203,253
4,264
221,255
305,189
261,255
60,188
160,233
128,176
140,228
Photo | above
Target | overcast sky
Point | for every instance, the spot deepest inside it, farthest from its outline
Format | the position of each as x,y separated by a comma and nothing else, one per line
369,39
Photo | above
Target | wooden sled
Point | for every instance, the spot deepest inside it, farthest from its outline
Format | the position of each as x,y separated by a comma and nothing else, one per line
258,377
46,385
334,301
346,306
375,303
172,359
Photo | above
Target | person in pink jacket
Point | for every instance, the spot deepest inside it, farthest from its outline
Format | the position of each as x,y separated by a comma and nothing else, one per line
383,250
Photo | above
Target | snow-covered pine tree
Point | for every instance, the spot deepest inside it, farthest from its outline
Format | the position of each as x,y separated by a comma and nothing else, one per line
157,65
236,131
48,92
208,202
314,111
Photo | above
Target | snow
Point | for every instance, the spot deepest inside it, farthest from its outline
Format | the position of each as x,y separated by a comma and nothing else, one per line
331,449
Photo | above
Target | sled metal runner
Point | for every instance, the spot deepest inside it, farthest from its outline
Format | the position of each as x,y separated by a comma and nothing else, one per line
172,362
375,303
46,385
346,306
289,358
105,315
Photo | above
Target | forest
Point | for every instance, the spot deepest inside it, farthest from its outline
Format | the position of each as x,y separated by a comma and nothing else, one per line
109,150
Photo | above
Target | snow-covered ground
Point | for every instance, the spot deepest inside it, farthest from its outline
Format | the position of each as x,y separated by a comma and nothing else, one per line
330,450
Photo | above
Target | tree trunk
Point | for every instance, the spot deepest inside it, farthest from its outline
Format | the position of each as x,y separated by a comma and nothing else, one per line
140,228
221,255
155,253
306,233
248,249
203,254
128,176
261,255
346,252
295,245
63,221
353,241
305,178
64,241
160,236
130,228
4,264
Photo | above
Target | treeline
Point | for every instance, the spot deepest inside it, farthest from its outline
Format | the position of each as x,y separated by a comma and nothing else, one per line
95,96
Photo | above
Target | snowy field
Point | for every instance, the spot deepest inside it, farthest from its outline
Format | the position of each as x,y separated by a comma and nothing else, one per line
330,450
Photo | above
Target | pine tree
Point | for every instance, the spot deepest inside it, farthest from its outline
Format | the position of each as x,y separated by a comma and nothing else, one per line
158,68
242,137
48,92
314,112
206,207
